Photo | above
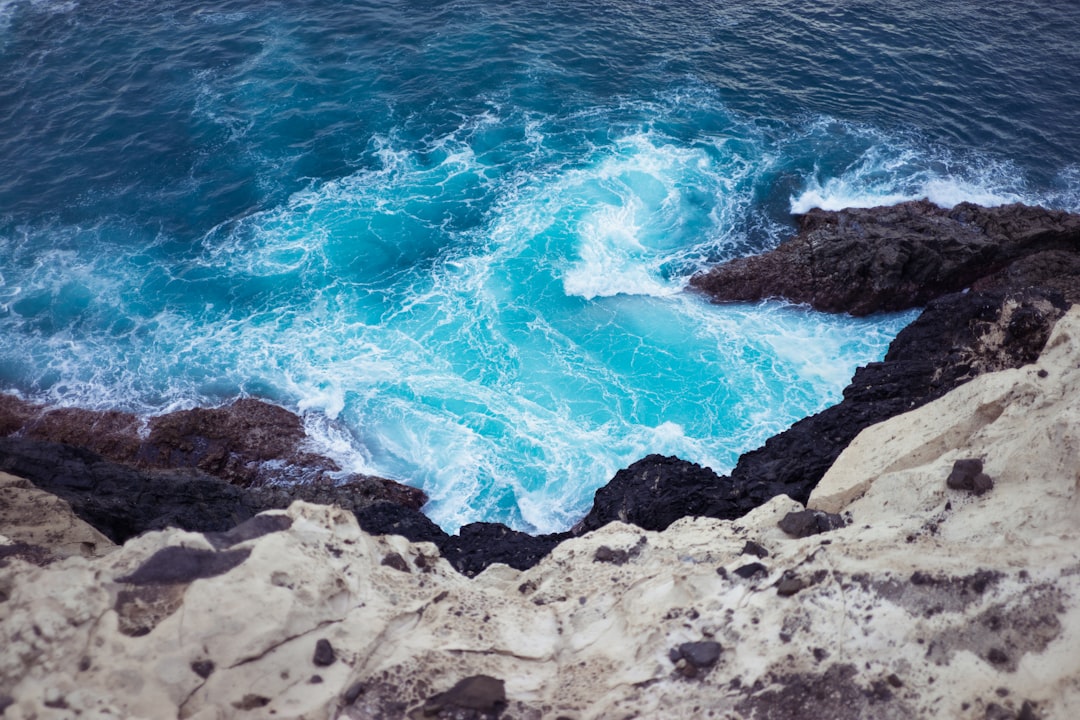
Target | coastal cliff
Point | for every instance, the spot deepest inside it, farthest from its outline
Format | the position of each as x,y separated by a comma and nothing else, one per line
930,596
205,564
208,469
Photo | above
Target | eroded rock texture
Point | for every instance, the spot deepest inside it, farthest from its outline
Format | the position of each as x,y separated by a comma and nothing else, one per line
929,601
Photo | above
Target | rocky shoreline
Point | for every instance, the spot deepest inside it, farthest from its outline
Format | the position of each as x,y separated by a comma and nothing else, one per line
910,552
993,280
936,574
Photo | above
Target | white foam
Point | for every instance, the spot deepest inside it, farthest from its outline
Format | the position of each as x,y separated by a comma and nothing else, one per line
892,170
840,193
613,260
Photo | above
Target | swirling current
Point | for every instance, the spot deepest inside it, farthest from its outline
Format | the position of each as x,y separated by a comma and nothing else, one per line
455,235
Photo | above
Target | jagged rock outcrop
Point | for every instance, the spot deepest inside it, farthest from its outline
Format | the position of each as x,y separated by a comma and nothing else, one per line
861,261
247,442
1022,264
123,501
957,338
930,601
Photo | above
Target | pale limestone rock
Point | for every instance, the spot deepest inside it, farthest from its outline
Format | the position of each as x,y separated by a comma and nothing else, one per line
28,515
931,603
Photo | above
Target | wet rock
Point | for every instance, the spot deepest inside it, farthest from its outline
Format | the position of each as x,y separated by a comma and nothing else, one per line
231,442
386,518
477,545
867,260
121,501
810,522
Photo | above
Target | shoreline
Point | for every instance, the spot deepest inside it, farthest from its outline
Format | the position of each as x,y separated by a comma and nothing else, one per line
1014,271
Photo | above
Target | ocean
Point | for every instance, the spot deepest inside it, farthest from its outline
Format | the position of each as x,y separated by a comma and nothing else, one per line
454,236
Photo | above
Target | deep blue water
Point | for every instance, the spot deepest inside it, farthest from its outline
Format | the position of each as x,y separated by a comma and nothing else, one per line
454,235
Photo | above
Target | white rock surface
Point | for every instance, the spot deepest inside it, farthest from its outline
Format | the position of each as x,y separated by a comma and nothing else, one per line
931,603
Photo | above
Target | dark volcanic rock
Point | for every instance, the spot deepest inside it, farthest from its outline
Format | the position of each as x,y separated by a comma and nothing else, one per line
248,443
478,545
968,475
324,653
810,522
386,518
657,490
693,657
479,697
861,261
958,337
233,442
123,501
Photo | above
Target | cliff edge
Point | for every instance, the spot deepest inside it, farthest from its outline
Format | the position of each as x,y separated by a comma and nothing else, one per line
936,574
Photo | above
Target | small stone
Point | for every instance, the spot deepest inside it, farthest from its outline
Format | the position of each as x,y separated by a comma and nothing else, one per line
324,653
203,668
997,656
894,681
755,549
397,562
805,523
751,569
315,679
605,554
963,473
355,690
788,586
1042,373
982,484
481,693
701,654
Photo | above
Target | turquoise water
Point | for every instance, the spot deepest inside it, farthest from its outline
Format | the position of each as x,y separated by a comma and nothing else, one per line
455,236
